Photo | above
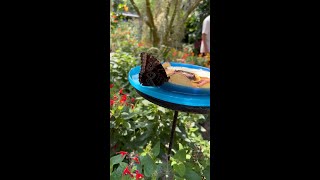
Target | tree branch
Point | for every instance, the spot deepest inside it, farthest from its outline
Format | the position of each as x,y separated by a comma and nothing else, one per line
189,11
167,12
174,14
149,13
136,8
168,30
139,13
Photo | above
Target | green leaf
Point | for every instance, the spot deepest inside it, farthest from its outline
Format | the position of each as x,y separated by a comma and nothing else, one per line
162,109
149,165
180,146
156,149
180,155
126,115
206,172
188,156
126,177
180,169
150,117
116,159
139,167
141,124
125,132
178,178
127,125
120,169
203,129
114,177
146,102
201,116
123,165
191,175
193,129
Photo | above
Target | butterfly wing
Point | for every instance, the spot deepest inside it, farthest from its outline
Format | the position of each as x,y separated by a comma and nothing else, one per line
152,72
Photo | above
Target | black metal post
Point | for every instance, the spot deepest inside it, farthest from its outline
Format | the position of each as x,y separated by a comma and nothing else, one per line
174,124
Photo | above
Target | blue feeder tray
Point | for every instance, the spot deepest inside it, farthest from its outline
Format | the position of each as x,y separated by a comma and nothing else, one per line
172,93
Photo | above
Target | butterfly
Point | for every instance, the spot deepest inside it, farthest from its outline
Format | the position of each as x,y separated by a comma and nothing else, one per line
152,72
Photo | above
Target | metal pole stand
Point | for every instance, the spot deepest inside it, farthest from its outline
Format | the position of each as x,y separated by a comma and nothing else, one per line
174,124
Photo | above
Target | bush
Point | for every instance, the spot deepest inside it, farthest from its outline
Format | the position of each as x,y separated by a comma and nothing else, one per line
136,122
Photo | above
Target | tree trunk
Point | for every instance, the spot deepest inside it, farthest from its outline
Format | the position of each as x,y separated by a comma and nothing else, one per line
156,39
154,35
169,26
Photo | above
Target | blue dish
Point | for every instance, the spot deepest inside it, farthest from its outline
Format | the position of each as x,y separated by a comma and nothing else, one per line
173,93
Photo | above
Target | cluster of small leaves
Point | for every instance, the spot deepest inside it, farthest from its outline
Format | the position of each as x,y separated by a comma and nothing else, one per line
120,65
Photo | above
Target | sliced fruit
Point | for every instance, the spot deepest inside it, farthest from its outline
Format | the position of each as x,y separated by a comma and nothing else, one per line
207,85
197,78
166,64
180,79
169,72
204,83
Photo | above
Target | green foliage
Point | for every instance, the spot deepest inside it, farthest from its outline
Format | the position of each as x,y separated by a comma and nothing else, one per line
120,65
148,165
148,123
115,160
155,166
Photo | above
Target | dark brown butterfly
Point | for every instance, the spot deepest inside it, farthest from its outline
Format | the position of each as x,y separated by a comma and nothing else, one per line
152,72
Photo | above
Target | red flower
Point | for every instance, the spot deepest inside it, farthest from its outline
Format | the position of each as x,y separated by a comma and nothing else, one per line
174,53
123,99
127,171
138,175
132,99
132,106
123,153
136,160
185,56
111,85
111,102
115,97
120,92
